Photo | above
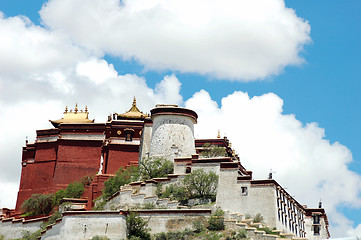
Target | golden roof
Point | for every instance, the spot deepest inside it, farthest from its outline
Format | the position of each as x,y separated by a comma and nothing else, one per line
133,113
76,116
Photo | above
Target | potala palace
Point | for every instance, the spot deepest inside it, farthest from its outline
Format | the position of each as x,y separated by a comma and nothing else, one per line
76,146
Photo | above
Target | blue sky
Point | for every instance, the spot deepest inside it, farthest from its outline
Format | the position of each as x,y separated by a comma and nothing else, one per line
323,89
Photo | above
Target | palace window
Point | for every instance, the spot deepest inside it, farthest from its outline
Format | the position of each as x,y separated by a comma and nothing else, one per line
129,134
316,230
244,191
316,219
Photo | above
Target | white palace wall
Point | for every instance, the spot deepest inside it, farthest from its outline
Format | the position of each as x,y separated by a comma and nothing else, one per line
172,137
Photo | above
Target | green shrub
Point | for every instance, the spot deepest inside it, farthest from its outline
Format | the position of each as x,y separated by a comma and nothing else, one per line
58,196
216,221
179,235
198,226
173,192
148,205
200,184
27,235
100,238
74,190
258,218
38,204
99,203
267,230
137,227
87,180
241,234
135,238
248,216
154,168
122,177
211,151
43,204
51,220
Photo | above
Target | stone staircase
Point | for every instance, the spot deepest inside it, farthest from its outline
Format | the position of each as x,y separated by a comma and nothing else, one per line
237,222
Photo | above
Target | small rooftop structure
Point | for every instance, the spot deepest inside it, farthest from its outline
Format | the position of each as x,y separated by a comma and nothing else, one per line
133,113
76,116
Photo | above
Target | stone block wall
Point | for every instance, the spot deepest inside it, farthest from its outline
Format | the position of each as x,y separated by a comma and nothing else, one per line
12,229
85,225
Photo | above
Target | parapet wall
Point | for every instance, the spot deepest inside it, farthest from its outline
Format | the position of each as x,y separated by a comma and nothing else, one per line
13,229
112,224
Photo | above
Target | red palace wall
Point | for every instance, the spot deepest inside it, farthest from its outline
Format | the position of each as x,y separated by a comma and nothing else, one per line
120,156
50,166
37,171
51,163
76,159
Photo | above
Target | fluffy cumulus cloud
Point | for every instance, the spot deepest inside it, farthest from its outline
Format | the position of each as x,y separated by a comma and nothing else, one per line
26,47
307,164
42,72
237,40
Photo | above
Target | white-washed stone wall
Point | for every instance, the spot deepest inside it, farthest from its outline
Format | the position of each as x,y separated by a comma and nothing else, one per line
145,142
172,137
180,168
86,226
13,230
150,189
171,221
309,229
239,196
207,167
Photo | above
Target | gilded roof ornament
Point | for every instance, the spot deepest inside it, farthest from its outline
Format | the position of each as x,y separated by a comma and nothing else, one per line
75,116
133,112
219,134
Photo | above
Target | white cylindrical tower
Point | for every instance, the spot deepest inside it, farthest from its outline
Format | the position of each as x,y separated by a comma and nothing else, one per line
173,132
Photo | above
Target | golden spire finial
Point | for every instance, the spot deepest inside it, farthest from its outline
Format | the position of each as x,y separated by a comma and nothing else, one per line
86,109
219,134
66,109
76,108
134,102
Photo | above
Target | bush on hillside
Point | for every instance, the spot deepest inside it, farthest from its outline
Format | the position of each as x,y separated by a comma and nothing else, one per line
122,177
100,238
200,184
258,218
216,221
43,204
211,151
38,204
154,168
173,192
73,190
137,227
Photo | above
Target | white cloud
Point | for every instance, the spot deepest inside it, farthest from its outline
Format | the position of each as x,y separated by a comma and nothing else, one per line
41,73
307,164
25,47
96,70
24,117
238,40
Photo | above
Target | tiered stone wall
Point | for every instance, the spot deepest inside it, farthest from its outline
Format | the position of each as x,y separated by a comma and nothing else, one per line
85,225
12,229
